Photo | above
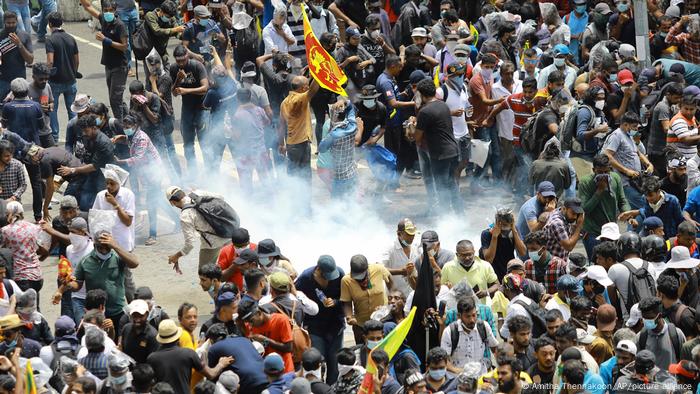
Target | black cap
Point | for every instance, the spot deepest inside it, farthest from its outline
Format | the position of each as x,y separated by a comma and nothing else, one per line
267,248
429,236
143,293
240,236
573,203
247,308
417,76
246,256
644,361
311,358
358,267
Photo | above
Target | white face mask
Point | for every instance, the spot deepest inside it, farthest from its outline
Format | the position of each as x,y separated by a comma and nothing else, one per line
344,369
317,373
600,104
79,242
559,62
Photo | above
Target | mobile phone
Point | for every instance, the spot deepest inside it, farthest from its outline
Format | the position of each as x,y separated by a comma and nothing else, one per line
441,310
380,371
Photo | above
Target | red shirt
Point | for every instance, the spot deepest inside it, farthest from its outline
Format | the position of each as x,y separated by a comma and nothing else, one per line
521,110
476,87
226,257
279,329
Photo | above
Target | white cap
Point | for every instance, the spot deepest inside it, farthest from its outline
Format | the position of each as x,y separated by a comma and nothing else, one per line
626,345
598,274
584,337
609,231
259,347
680,259
635,316
627,50
138,306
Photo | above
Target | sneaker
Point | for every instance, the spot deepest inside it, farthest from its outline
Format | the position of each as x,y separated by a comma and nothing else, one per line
132,72
151,241
35,22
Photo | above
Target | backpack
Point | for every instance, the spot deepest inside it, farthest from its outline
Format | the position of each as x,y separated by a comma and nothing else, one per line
675,341
676,317
300,337
536,313
8,287
454,334
222,218
528,135
640,284
141,42
55,380
569,126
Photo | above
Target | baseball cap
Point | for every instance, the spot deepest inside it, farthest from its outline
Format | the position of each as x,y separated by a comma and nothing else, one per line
626,345
170,191
515,264
78,223
644,361
568,283
300,386
513,282
201,11
352,32
677,68
456,68
561,49
603,8
247,308
407,226
625,76
358,267
416,76
461,52
429,236
419,32
68,202
273,363
280,281
609,231
685,368
598,274
573,203
64,326
652,222
625,51
246,256
143,293
138,306
229,381
546,189
691,90
606,317
311,357
240,236
328,268
583,337
635,316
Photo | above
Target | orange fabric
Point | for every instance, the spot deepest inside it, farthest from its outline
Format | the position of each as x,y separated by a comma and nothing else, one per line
188,342
279,329
226,256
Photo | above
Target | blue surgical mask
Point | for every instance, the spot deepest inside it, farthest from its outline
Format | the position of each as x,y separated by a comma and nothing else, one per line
372,344
559,62
12,345
404,243
437,374
370,104
164,19
633,133
204,22
129,132
108,17
103,256
650,324
534,256
457,79
264,261
98,121
118,380
581,8
612,77
623,7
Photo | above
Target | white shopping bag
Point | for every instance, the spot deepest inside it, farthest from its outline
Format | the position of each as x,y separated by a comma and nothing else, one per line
479,152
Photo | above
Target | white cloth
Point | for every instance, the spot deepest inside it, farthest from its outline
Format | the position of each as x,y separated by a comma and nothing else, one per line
394,258
307,306
75,257
506,118
320,25
458,100
5,300
124,235
514,310
470,346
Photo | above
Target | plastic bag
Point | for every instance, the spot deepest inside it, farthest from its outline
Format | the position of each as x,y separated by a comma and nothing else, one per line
381,162
100,221
240,17
43,239
480,152
150,58
119,360
550,14
115,173
42,372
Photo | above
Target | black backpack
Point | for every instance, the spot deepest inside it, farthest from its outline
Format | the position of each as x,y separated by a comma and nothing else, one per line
641,284
539,326
141,41
528,135
675,340
454,334
72,352
222,218
567,131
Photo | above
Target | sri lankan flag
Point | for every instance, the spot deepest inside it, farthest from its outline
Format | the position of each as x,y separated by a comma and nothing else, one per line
29,383
322,66
390,344
474,33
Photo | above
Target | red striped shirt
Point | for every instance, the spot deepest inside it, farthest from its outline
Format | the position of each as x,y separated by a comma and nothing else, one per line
521,110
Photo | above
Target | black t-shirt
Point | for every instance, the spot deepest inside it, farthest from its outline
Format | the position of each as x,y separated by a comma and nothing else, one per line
674,188
99,151
174,365
505,251
115,31
544,119
139,346
355,10
377,53
371,118
528,358
231,327
64,49
543,377
614,100
277,85
13,65
194,74
55,157
435,120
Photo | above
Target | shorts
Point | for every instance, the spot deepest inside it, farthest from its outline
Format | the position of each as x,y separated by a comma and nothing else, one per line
465,148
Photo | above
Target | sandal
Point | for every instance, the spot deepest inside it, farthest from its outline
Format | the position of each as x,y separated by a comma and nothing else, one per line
151,241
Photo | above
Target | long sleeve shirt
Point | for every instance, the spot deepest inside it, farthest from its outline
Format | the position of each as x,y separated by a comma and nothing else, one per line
142,151
193,223
669,212
689,48
601,208
12,181
341,140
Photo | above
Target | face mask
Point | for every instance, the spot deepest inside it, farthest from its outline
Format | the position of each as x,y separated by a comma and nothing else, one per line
118,380
623,7
581,9
12,345
457,80
264,261
317,373
612,77
486,74
211,290
443,14
129,132
204,22
600,104
78,241
103,256
534,256
369,103
372,344
164,19
374,34
108,17
404,243
437,374
344,369
662,34
633,133
559,62
650,324
98,121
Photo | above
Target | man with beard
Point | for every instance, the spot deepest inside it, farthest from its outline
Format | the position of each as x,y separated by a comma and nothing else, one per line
466,265
542,372
40,91
138,338
419,36
563,228
353,59
676,180
508,375
16,51
520,328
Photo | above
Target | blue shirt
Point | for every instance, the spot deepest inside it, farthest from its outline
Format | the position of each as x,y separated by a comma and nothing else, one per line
692,203
25,118
606,369
248,364
669,213
329,322
577,26
386,85
529,211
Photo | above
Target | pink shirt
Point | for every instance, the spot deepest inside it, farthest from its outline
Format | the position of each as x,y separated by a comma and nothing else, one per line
21,238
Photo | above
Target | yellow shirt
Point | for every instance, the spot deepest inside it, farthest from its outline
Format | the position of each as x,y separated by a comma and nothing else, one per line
296,112
365,301
480,274
186,341
493,374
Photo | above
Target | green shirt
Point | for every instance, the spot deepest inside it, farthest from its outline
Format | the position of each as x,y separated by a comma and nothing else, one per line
601,208
107,275
481,274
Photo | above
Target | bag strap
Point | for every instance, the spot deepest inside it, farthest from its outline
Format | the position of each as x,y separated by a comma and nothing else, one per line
294,308
643,339
454,336
675,341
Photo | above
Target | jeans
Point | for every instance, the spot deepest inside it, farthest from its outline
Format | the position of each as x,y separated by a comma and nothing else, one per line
329,345
25,285
78,309
571,191
428,180
171,154
635,198
494,157
446,185
589,242
343,188
66,303
130,19
192,125
404,150
85,189
522,163
24,22
37,189
116,83
154,199
68,90
217,145
47,7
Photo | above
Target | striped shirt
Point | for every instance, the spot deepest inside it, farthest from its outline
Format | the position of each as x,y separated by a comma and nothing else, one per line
96,363
689,48
296,23
142,151
522,110
682,127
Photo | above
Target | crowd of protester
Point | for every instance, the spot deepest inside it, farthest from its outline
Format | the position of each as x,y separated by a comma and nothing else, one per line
586,281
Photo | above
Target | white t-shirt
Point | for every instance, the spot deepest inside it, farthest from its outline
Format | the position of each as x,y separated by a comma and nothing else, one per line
620,275
75,257
123,234
458,100
5,300
394,258
506,118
